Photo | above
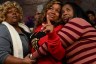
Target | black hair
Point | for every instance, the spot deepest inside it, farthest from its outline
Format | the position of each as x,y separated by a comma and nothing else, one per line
90,12
47,6
78,11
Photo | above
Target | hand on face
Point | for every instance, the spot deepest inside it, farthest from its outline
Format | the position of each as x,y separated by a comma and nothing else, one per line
48,28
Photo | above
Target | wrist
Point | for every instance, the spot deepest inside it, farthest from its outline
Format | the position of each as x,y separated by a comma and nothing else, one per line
30,56
22,61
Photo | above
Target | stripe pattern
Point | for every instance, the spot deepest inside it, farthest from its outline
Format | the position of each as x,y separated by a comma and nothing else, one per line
42,51
79,39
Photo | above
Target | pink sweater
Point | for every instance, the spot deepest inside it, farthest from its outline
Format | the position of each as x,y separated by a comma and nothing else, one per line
79,39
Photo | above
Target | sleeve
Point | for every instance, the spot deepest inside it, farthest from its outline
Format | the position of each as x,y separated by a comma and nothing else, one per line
52,45
71,31
55,47
4,49
82,53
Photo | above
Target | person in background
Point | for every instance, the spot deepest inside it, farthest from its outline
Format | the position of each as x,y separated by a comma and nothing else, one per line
92,17
14,46
46,45
38,13
30,22
78,36
37,17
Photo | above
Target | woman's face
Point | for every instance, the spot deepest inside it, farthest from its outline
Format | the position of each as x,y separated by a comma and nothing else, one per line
67,12
13,16
53,12
91,17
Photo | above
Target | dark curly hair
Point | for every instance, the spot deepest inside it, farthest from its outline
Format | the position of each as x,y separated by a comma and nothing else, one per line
46,7
78,11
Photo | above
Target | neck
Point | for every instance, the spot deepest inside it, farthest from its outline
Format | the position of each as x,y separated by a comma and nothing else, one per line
17,29
16,26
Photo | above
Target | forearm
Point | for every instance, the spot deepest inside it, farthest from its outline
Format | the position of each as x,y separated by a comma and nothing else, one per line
54,46
51,45
42,51
13,60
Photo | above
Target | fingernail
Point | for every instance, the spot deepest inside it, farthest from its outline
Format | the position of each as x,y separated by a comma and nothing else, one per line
42,23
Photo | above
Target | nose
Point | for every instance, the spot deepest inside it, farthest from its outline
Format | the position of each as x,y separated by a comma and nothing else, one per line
64,13
14,13
53,10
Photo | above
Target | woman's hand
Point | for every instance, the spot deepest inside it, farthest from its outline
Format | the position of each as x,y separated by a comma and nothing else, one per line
48,28
14,60
27,60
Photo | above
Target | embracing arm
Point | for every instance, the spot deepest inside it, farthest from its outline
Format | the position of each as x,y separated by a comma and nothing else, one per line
7,58
52,45
10,59
14,60
71,32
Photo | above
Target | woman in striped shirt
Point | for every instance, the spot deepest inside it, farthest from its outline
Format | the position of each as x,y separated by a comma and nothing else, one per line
78,35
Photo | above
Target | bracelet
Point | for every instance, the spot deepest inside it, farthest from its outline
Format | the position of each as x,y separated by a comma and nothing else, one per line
30,56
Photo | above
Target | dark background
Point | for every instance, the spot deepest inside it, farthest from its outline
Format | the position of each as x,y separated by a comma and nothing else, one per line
30,6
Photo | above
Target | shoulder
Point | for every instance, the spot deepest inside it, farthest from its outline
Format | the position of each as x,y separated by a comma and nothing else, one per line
57,28
79,21
38,28
4,31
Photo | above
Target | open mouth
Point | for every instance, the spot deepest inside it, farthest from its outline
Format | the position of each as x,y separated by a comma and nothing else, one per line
15,17
52,16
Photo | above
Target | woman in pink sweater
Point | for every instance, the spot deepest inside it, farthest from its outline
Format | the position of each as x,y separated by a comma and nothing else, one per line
78,35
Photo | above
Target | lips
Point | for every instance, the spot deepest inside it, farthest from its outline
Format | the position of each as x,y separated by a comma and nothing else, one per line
14,17
51,15
66,16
